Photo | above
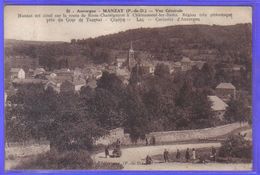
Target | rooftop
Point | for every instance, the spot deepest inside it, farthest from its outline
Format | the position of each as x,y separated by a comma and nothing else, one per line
15,69
185,59
29,81
225,86
217,103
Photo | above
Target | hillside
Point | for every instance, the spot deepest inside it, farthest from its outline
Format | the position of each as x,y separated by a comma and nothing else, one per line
202,42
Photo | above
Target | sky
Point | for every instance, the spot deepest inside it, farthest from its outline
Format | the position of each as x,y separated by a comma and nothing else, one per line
37,29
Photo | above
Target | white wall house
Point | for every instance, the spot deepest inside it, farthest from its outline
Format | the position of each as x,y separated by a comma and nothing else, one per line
17,73
218,106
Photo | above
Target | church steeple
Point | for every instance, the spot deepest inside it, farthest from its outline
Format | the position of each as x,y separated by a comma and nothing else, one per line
131,47
131,57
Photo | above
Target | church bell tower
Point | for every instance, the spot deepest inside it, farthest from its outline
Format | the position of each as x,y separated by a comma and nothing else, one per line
131,57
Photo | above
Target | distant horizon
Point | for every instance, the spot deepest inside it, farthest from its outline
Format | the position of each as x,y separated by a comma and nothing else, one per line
68,41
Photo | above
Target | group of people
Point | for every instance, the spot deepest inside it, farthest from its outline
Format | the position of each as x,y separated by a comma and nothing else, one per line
189,156
116,151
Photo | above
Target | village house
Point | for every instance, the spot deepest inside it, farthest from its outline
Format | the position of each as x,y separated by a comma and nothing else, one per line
30,73
111,68
198,64
78,74
38,71
66,85
54,84
218,107
64,74
146,69
225,91
17,73
177,66
186,64
78,84
120,62
27,81
52,75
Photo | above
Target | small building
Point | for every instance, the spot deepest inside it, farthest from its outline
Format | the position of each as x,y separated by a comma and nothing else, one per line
120,62
5,97
30,73
38,71
78,84
53,75
177,66
218,107
147,67
186,64
64,74
54,84
78,73
225,91
27,81
198,64
17,73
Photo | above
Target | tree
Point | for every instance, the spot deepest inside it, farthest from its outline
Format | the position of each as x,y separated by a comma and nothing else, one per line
105,109
137,123
162,70
207,74
184,95
73,128
100,55
201,113
237,111
236,146
111,83
48,62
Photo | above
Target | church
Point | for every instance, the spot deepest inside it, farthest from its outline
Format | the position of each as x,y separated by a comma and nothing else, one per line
129,61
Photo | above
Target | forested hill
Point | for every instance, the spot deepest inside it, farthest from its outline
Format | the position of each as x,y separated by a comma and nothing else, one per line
167,43
181,37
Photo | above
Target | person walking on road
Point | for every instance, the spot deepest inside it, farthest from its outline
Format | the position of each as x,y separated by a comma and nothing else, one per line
213,153
146,141
187,155
148,160
193,154
166,155
107,151
178,155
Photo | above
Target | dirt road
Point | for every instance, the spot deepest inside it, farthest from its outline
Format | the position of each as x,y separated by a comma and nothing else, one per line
132,159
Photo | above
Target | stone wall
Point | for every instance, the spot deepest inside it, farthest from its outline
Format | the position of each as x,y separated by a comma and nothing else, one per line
169,136
207,133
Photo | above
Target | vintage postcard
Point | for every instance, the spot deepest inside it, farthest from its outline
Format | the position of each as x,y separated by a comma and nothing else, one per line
128,88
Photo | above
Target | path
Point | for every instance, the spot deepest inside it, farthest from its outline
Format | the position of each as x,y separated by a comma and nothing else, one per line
132,158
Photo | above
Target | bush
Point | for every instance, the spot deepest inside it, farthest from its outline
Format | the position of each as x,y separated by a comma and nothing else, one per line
107,166
71,160
236,146
55,160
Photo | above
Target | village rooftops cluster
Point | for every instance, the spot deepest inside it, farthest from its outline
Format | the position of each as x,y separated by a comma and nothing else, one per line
63,80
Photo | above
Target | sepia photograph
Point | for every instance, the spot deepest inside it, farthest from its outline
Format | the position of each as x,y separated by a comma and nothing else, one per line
128,88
